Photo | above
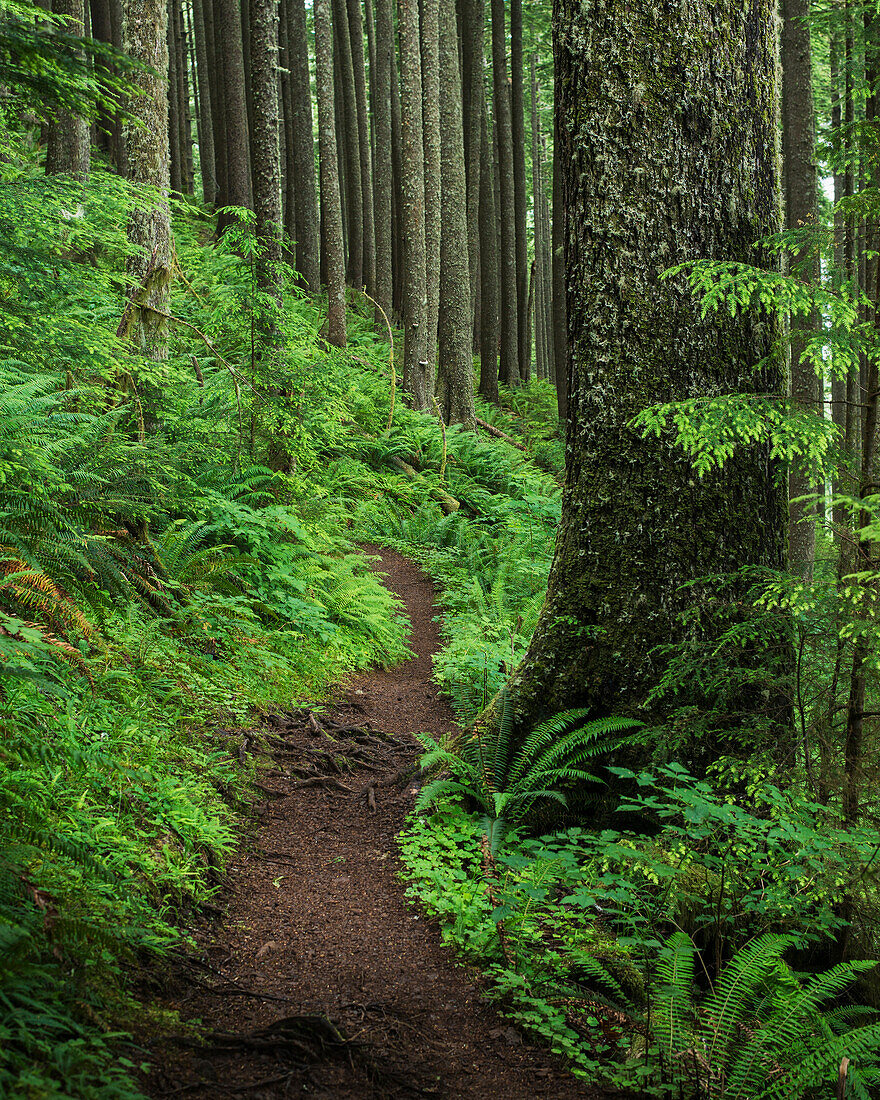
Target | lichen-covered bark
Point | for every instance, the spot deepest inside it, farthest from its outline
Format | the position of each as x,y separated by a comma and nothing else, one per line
229,42
667,127
206,129
146,142
303,147
365,156
455,375
518,137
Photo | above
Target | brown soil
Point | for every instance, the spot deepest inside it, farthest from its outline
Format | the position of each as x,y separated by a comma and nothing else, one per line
323,980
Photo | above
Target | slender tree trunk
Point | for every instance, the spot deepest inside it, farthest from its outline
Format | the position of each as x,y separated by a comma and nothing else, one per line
365,159
354,204
216,81
472,32
397,218
431,123
561,361
799,157
518,135
67,146
184,118
206,111
99,11
146,141
538,222
415,301
302,137
383,183
505,213
455,379
228,40
174,128
488,266
838,384
331,206
265,152
615,590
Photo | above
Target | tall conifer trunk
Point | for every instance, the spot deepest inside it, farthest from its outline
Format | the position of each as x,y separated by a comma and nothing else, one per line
666,120
331,203
146,142
455,377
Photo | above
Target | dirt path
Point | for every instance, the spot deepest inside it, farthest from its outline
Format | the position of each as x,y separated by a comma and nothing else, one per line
316,920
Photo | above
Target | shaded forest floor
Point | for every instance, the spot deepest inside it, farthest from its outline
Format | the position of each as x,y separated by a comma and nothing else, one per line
321,979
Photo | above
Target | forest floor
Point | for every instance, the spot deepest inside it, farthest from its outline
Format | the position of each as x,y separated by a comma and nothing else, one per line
322,980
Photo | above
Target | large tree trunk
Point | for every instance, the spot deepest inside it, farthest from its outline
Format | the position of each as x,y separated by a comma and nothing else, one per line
668,149
538,221
508,370
331,205
146,141
415,301
799,157
455,378
67,146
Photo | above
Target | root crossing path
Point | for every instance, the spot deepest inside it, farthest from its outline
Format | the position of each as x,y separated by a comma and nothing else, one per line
323,981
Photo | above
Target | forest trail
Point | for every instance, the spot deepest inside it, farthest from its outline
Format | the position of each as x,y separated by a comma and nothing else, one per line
317,921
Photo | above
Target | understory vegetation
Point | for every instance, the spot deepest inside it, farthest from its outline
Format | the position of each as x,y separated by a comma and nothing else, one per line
179,554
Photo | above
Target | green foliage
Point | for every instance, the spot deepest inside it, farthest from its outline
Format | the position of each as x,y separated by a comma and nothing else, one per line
761,1032
506,781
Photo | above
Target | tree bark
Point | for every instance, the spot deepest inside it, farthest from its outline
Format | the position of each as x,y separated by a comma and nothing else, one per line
508,370
207,158
518,137
348,124
228,42
472,32
431,123
383,183
488,265
559,310
801,210
455,378
412,184
365,157
265,152
331,206
538,222
148,268
640,91
67,146
303,142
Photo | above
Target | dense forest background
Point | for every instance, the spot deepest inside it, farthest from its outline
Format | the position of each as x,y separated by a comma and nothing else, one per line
579,310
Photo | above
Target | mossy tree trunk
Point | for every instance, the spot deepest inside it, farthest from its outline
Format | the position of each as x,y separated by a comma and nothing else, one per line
667,127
